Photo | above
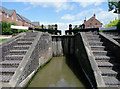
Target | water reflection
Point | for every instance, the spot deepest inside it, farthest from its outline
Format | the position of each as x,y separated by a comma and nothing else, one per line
56,74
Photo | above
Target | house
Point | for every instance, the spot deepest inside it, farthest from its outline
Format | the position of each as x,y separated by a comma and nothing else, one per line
36,23
12,16
92,22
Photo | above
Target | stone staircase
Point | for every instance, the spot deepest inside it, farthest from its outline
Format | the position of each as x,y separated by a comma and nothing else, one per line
106,62
15,56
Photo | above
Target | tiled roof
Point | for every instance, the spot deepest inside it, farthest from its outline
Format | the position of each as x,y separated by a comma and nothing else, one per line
23,18
10,12
18,16
35,23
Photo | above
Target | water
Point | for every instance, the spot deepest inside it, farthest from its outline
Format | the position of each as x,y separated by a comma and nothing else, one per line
56,74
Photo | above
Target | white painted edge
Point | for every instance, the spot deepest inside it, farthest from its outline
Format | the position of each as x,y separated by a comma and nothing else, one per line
107,28
19,27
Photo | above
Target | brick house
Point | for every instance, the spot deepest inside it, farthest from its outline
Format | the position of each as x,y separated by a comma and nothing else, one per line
92,22
12,16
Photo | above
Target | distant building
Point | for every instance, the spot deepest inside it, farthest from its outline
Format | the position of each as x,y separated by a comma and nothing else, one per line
12,16
36,23
92,22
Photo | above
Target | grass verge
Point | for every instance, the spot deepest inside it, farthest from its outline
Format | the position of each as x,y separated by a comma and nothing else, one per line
2,40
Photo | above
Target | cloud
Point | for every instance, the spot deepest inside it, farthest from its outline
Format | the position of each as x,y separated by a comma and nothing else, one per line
62,26
59,6
85,3
25,9
105,17
81,15
68,17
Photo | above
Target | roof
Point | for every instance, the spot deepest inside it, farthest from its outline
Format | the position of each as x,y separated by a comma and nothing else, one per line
35,23
23,18
6,11
93,17
18,16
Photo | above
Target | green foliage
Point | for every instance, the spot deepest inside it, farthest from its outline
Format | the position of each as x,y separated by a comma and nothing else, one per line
113,23
2,40
118,25
50,26
75,28
41,27
6,28
114,5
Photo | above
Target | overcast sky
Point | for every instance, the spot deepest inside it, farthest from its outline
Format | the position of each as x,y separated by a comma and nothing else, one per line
61,12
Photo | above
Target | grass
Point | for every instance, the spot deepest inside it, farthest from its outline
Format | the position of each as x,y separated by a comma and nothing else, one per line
2,40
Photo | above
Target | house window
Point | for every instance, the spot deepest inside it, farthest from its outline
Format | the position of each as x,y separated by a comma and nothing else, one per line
90,23
7,16
91,19
0,13
16,20
95,23
12,17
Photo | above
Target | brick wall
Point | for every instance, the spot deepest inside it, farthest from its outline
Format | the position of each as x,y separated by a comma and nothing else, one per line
13,18
92,23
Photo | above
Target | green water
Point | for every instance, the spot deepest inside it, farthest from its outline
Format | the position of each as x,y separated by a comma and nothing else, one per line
56,74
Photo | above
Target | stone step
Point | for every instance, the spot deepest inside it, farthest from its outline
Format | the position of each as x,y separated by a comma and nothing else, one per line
111,81
7,70
102,53
14,57
10,63
26,39
108,65
88,32
94,39
92,36
18,52
24,42
95,43
4,78
97,47
21,47
32,37
105,58
109,72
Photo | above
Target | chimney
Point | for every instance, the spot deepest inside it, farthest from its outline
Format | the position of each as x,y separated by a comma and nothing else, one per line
85,20
94,15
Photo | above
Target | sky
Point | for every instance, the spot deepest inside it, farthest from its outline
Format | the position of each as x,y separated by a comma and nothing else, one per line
61,12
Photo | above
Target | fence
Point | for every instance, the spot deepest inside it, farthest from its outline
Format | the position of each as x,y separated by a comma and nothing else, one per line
81,29
42,29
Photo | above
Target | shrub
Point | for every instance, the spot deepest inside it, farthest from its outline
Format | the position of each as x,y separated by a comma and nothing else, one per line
6,28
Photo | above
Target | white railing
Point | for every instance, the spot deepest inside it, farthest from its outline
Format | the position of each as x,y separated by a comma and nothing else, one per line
107,28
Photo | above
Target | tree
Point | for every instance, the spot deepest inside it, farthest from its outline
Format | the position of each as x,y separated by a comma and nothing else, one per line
114,5
75,28
41,27
6,28
51,27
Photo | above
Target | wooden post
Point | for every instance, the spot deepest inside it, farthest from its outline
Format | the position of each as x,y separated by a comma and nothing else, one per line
55,29
42,26
70,29
83,26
